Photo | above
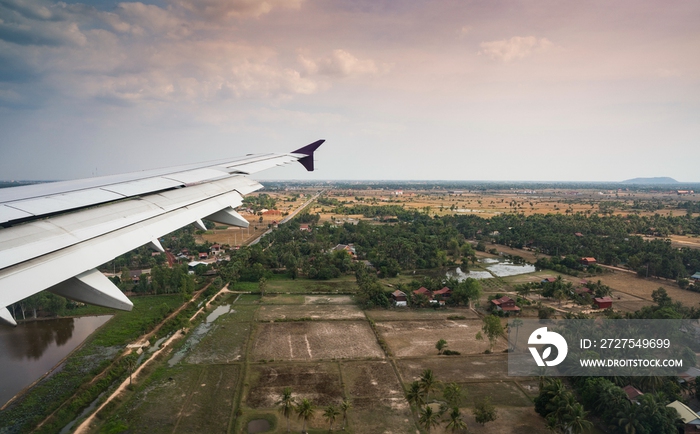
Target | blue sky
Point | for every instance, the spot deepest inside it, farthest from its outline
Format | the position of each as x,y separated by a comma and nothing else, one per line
476,90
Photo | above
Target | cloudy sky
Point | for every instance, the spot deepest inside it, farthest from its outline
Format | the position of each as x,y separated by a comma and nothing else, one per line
473,90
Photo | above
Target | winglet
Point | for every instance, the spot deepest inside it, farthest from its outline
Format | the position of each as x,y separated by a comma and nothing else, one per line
308,150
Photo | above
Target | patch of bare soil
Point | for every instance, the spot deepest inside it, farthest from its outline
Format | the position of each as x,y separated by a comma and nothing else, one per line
643,287
371,379
316,312
318,382
457,369
328,299
313,340
418,338
406,314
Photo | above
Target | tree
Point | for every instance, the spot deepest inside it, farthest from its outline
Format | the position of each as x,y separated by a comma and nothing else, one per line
516,323
452,393
414,395
441,345
344,407
330,414
130,362
492,328
456,423
428,418
427,383
305,411
286,404
262,284
484,411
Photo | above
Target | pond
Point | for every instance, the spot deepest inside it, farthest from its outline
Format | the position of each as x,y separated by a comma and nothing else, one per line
258,425
33,348
198,333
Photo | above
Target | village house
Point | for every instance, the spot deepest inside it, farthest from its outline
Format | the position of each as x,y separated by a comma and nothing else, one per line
632,393
399,298
696,277
203,255
425,292
350,248
549,280
442,294
304,227
505,304
603,302
215,249
688,416
588,261
135,276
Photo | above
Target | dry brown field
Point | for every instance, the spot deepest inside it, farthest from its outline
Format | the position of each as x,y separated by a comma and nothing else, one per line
319,382
314,340
459,369
406,314
418,338
490,203
315,312
643,287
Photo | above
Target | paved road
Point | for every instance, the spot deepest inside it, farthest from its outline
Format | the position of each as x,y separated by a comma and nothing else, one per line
289,217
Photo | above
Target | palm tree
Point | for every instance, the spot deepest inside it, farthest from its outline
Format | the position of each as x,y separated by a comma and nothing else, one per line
427,383
428,418
456,423
628,419
414,395
286,404
305,411
330,414
517,322
344,407
441,345
575,421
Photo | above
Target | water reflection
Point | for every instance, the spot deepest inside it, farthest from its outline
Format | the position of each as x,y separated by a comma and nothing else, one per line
35,337
31,349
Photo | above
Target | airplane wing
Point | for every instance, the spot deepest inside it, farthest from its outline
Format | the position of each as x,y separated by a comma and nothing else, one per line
54,235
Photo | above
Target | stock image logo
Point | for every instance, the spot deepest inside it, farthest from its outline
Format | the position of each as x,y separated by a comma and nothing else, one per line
543,337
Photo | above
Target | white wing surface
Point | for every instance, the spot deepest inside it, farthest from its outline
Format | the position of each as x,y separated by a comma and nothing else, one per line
54,235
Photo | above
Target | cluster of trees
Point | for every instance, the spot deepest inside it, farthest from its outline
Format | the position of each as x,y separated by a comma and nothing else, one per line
305,410
610,404
162,280
560,409
46,302
611,240
418,395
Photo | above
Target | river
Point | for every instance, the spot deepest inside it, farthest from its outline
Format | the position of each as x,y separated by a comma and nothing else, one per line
32,349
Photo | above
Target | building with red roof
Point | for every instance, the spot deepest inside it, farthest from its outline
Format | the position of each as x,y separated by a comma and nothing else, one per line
505,304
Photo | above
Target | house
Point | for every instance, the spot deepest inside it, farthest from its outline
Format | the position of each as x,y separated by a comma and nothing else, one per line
632,393
215,249
689,375
425,293
304,228
696,276
444,292
350,248
505,304
584,290
135,276
603,302
588,261
688,416
578,234
203,255
399,298
549,280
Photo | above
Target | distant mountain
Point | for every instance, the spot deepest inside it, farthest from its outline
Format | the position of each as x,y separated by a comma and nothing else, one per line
655,180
